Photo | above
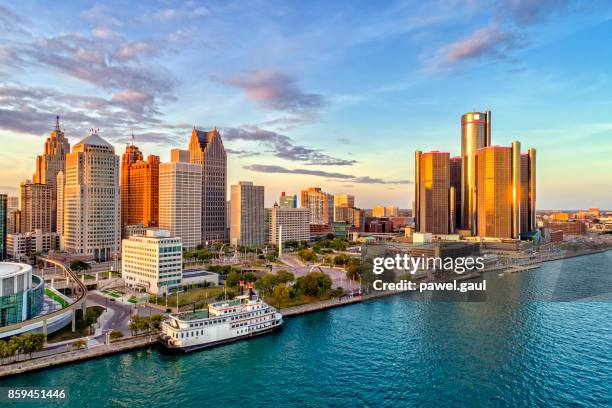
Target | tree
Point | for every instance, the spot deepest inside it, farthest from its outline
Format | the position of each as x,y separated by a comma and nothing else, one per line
313,284
285,276
233,279
352,269
78,266
307,255
79,344
281,294
115,335
155,321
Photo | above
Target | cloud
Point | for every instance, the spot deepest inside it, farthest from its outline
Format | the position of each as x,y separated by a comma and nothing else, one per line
186,11
274,90
490,42
527,12
265,168
283,146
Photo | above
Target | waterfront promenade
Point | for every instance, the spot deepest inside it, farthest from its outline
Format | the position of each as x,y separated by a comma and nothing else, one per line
74,356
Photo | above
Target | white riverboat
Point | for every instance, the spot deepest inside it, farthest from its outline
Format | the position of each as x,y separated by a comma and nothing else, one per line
223,322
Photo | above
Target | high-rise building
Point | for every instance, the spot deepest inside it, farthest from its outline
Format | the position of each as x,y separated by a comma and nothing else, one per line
12,203
35,201
139,189
392,211
153,262
455,182
247,225
179,155
60,189
495,191
92,215
287,200
379,211
475,134
3,225
51,162
352,216
206,149
295,223
432,192
344,200
180,201
14,222
320,204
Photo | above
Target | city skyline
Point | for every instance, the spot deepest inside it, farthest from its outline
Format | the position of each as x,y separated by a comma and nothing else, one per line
295,100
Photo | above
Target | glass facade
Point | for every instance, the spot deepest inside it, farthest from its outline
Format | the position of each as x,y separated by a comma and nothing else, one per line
12,305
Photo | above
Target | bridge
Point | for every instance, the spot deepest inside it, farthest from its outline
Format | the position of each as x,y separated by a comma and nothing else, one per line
81,291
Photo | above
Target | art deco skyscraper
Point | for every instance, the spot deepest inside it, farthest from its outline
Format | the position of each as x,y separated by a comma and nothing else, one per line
475,134
180,201
139,189
432,189
51,162
321,205
92,217
206,149
247,219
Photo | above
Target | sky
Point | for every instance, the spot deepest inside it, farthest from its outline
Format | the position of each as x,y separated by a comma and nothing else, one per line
332,94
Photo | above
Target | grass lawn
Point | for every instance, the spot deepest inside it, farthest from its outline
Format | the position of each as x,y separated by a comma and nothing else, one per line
82,327
301,300
199,296
111,293
50,294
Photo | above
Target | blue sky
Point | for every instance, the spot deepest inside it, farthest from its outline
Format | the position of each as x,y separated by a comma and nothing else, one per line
331,94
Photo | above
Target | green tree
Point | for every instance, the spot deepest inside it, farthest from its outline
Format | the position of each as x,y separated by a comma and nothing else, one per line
285,276
233,279
281,294
79,344
307,255
115,335
78,266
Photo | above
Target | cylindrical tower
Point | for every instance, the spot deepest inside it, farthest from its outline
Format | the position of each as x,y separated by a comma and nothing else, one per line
475,134
532,189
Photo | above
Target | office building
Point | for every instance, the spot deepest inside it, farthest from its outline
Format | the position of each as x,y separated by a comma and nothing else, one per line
179,155
475,134
455,182
3,225
139,189
379,211
247,219
26,244
180,201
344,200
206,149
21,293
49,164
354,217
392,211
287,200
92,216
432,192
35,201
320,204
14,222
12,203
295,223
152,262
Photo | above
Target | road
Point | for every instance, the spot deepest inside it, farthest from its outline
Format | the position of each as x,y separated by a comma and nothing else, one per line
298,268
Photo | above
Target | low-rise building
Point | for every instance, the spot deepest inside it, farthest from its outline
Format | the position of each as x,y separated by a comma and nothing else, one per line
21,245
198,278
152,262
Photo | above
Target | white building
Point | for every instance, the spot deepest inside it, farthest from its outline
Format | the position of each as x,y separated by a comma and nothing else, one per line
295,222
20,245
152,262
247,217
91,200
180,201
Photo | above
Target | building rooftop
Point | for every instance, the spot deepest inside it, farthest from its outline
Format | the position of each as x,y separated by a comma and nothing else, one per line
11,268
94,139
192,273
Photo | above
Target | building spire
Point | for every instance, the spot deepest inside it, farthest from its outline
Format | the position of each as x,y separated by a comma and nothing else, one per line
57,125
133,137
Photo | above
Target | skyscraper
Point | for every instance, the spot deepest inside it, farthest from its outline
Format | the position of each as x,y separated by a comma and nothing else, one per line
92,217
455,183
180,201
295,223
344,200
3,225
320,204
287,200
432,189
51,162
475,134
139,189
206,149
247,225
35,201
495,191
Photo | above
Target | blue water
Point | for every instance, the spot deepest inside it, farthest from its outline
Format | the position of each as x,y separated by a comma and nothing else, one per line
538,338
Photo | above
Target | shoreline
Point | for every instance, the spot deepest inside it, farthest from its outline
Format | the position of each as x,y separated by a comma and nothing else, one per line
146,341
